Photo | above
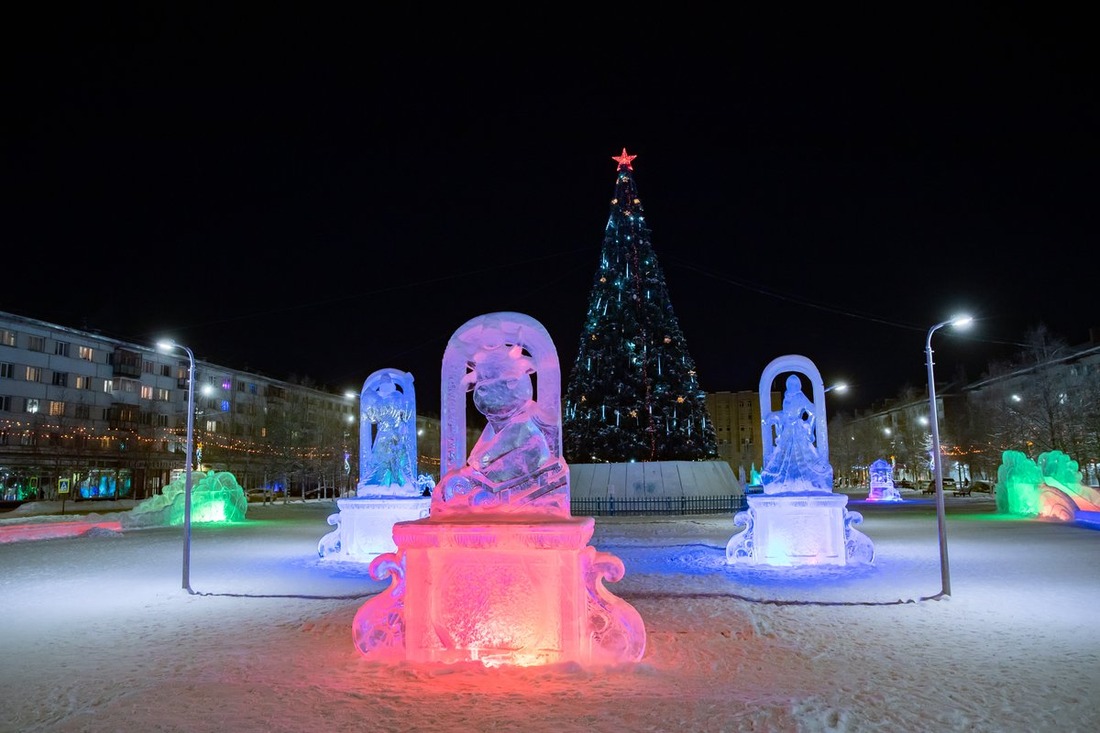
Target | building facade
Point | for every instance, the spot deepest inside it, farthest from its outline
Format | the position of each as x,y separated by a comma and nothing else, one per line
87,416
736,418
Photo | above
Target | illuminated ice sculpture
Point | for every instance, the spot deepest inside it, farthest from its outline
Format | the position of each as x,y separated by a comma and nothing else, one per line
500,572
797,520
389,489
1050,487
882,482
216,497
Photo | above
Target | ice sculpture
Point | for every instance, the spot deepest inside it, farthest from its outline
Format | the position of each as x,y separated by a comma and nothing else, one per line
389,489
499,572
215,497
797,520
1049,488
882,482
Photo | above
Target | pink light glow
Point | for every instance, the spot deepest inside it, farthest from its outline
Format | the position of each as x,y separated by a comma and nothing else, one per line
50,530
503,592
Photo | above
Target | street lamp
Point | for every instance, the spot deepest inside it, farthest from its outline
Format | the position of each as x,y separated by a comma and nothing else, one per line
937,463
167,346
839,387
353,419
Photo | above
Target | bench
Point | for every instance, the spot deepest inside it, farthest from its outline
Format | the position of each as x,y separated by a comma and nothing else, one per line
929,490
961,491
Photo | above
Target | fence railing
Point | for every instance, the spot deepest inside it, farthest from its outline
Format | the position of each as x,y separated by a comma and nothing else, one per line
604,507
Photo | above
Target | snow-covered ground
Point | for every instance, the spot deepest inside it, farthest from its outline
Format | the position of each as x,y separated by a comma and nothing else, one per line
99,635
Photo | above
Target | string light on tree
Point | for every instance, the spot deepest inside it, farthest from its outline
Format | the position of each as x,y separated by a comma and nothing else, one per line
633,359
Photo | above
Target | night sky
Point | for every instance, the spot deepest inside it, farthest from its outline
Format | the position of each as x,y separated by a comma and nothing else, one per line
323,197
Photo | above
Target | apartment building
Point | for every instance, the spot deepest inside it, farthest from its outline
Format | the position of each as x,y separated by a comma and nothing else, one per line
736,418
99,417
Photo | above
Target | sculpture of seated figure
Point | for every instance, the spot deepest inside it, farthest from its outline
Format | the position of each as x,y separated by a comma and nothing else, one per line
794,463
512,444
512,467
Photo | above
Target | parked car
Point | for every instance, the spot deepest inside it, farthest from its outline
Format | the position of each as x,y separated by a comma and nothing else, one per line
930,486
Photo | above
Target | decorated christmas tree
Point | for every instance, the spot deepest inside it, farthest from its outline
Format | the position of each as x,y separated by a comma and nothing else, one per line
633,394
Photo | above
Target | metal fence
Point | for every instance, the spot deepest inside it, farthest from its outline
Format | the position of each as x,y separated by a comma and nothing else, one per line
604,507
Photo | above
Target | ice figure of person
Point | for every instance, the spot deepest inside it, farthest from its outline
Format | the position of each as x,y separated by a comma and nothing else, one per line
512,444
514,465
387,442
794,463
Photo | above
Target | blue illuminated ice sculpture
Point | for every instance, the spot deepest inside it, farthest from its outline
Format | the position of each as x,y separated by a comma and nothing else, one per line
797,519
389,489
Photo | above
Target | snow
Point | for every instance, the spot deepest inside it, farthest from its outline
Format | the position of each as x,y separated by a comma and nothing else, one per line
100,636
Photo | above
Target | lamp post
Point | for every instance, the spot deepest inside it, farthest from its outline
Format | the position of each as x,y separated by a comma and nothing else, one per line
356,450
839,387
167,346
937,462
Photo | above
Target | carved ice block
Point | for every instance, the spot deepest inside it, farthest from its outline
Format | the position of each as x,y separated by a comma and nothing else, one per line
494,590
364,526
504,592
800,530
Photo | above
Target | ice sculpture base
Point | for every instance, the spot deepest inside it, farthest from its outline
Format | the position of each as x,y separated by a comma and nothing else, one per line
364,525
798,529
883,493
499,590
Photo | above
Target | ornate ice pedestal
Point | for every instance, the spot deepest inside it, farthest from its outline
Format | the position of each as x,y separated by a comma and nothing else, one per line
499,590
799,529
364,525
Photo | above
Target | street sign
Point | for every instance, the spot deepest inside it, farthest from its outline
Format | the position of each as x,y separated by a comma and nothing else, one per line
63,486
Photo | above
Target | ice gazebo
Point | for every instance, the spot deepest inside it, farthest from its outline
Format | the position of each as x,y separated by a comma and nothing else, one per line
882,482
500,572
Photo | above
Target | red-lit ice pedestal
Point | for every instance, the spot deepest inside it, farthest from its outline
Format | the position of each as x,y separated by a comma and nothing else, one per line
503,592
500,572
798,520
